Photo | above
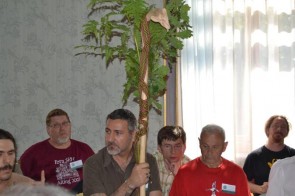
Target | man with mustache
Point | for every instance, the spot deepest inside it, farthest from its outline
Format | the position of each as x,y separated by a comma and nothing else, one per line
7,163
61,157
259,162
113,170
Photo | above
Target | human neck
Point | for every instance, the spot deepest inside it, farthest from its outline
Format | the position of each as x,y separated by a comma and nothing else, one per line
5,184
60,146
123,159
212,165
275,146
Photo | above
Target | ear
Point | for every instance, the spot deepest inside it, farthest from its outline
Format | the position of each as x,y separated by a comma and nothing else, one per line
224,146
184,148
159,149
48,130
133,133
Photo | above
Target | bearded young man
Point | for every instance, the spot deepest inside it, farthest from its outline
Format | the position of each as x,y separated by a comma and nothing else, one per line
259,162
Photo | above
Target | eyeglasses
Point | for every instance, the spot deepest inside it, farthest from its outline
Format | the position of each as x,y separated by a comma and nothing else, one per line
58,125
169,147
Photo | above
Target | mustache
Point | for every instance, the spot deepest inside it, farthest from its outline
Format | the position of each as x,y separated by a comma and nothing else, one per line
110,144
5,167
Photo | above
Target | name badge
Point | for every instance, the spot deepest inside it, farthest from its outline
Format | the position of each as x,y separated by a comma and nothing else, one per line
76,164
228,188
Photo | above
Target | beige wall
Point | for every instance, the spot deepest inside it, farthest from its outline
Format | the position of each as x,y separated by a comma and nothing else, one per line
39,72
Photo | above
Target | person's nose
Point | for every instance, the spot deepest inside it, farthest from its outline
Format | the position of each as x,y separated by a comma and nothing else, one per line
5,158
110,137
173,149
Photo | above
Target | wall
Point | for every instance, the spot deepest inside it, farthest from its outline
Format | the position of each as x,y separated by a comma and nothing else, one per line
39,72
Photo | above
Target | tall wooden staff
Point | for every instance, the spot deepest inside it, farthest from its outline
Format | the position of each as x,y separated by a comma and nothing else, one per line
156,15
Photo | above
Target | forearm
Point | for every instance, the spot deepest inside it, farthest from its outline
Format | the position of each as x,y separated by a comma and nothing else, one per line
254,188
125,189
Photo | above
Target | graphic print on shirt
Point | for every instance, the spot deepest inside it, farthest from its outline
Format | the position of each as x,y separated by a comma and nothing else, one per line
271,163
213,189
64,173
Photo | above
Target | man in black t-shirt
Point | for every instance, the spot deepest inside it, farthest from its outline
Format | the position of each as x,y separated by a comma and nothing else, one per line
258,163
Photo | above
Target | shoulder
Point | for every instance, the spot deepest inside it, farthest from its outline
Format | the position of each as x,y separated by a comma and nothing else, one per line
37,147
158,156
233,167
150,158
284,162
185,159
191,165
81,145
18,178
231,164
256,152
39,144
290,150
97,158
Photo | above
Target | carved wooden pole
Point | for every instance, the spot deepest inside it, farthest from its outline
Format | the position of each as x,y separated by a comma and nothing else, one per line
156,15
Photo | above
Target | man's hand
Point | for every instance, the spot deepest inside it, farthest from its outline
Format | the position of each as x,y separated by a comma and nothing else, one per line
42,181
263,188
173,167
140,175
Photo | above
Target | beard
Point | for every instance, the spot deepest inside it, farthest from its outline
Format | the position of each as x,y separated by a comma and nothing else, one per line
63,140
278,137
113,149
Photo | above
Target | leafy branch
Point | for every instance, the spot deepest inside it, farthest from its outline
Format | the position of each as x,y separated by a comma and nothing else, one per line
113,32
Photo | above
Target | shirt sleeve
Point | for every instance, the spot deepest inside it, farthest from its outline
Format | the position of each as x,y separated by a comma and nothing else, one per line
154,184
26,162
91,181
248,167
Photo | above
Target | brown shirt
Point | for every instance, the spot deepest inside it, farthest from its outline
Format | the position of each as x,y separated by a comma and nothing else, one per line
102,174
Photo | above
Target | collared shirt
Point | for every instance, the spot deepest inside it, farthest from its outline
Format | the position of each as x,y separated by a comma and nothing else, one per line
102,174
166,176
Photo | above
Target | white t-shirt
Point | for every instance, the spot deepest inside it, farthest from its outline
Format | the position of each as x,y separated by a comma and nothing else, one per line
282,177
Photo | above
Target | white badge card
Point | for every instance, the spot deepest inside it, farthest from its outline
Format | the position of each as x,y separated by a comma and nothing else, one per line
228,188
76,164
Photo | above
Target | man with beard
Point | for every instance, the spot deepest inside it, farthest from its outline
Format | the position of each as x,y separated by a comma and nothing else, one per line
259,162
113,170
60,156
7,164
170,155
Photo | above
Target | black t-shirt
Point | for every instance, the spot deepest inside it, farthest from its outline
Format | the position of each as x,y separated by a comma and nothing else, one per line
258,163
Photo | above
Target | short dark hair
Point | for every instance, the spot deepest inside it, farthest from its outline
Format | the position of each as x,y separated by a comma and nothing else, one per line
6,135
272,118
171,133
56,112
124,114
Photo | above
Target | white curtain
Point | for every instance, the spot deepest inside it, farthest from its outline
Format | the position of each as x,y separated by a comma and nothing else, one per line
238,70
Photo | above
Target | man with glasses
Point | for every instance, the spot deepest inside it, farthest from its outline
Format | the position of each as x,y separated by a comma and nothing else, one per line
258,163
170,155
210,174
59,156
